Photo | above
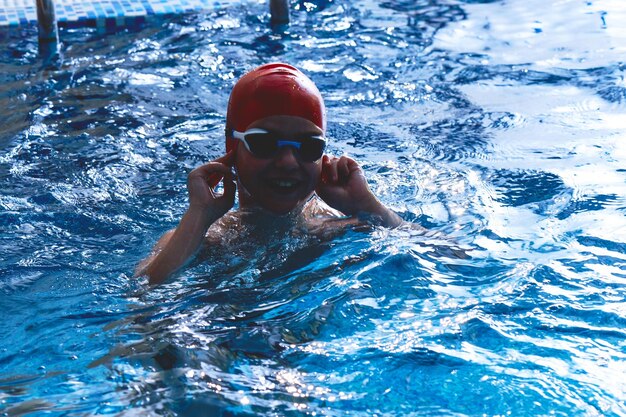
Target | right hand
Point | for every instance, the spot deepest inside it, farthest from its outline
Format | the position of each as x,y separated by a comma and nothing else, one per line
202,181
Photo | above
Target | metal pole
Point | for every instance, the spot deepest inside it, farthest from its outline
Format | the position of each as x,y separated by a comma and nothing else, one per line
48,32
279,9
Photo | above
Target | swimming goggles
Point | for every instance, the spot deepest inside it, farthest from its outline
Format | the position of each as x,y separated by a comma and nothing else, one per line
265,145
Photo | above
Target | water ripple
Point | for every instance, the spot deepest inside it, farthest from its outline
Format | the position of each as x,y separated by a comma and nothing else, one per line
508,152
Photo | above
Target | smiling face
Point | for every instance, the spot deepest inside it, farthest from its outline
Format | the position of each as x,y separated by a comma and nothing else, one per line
283,182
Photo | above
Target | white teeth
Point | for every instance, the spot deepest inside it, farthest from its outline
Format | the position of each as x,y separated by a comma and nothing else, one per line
285,183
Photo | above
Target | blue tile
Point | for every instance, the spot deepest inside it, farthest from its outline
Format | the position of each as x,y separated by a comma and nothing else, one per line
87,12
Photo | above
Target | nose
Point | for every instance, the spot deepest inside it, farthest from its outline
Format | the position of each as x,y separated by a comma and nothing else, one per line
286,157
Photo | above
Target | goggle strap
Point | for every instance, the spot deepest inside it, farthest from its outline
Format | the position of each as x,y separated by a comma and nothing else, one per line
241,135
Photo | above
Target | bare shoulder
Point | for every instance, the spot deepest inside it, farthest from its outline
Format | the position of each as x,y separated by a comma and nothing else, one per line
224,229
324,221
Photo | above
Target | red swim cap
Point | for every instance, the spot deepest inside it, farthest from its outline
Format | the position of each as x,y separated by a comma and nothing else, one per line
272,90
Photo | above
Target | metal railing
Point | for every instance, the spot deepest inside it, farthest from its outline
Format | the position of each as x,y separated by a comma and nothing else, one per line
48,30
279,10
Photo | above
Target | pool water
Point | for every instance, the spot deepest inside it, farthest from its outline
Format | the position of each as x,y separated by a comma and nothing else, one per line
501,125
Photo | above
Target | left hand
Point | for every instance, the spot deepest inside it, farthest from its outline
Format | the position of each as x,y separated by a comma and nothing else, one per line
343,186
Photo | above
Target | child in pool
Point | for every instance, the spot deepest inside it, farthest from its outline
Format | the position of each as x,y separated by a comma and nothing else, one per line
275,143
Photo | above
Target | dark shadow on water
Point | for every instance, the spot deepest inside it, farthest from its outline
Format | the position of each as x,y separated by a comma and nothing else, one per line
516,188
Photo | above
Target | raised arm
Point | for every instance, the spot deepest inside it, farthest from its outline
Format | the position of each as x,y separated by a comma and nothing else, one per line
178,246
343,186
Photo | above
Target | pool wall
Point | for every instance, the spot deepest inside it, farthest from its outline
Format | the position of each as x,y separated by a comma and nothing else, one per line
106,15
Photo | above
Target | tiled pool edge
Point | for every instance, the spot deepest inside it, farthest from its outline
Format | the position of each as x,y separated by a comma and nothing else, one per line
106,15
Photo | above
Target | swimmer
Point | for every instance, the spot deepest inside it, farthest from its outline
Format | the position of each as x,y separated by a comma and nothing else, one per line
276,163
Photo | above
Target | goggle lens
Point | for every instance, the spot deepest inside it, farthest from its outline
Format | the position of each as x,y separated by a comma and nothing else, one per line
266,145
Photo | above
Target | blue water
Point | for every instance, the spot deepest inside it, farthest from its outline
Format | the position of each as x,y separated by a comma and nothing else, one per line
501,125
